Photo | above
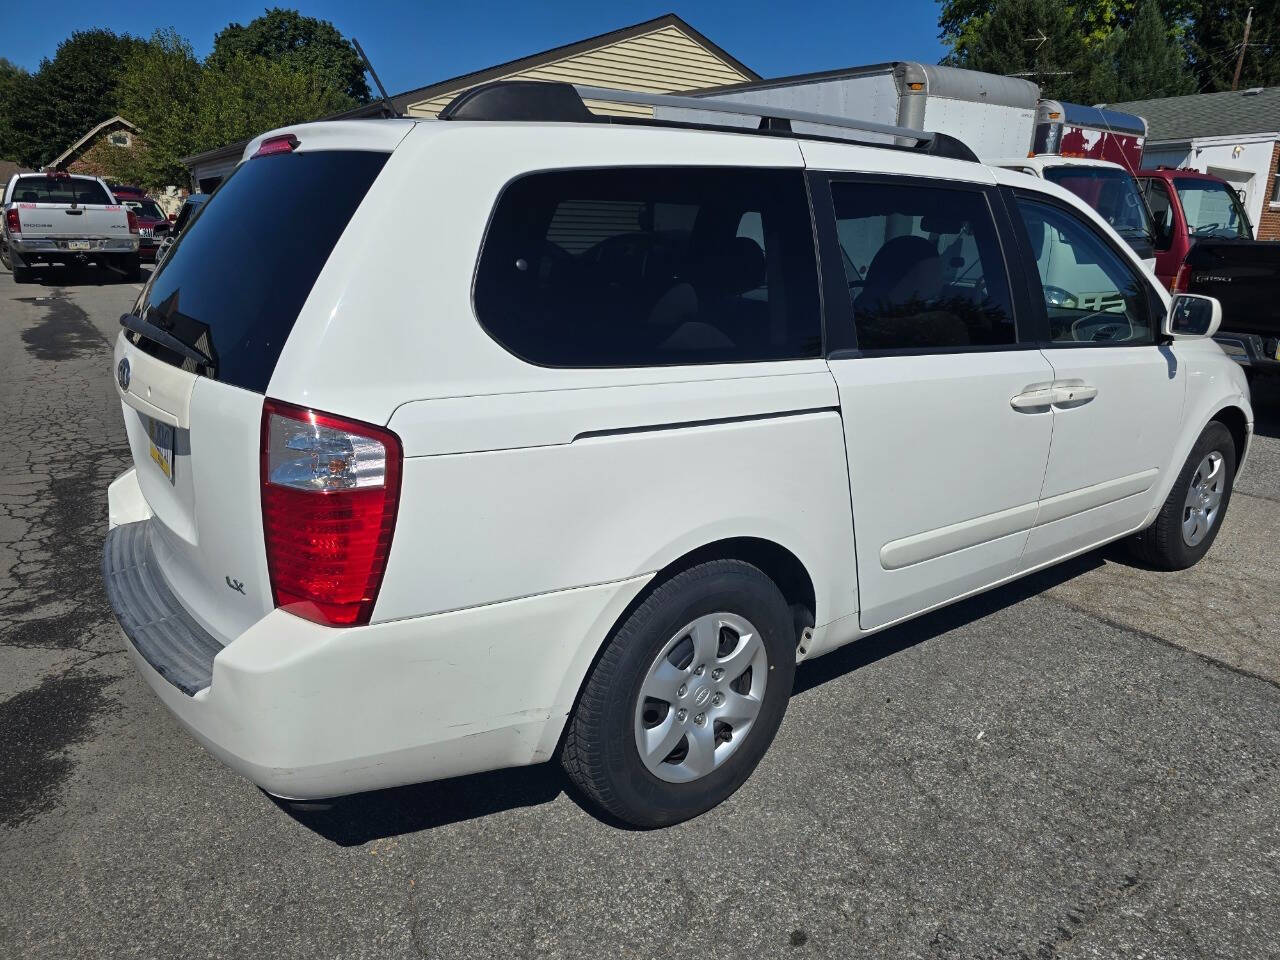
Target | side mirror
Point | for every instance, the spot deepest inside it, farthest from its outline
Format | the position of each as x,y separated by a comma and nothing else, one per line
1192,317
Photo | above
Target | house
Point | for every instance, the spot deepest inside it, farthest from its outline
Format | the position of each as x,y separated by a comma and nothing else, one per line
657,56
97,152
1234,135
8,168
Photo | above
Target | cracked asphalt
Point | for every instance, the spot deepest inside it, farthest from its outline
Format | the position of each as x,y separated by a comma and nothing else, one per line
1083,764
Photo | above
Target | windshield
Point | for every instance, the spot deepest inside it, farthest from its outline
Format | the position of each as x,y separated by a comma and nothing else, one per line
46,189
234,294
1111,192
1212,209
147,209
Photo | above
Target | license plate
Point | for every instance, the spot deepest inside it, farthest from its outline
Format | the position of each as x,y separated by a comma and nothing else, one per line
77,244
147,231
161,441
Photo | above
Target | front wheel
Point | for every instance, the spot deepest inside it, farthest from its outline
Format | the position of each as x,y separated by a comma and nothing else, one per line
1192,514
686,696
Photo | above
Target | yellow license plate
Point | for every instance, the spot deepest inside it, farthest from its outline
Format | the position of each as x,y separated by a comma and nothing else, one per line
77,244
161,443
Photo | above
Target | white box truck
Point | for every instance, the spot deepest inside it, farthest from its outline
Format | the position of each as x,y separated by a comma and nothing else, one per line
994,116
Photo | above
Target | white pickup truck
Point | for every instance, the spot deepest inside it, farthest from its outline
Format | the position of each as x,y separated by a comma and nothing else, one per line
61,218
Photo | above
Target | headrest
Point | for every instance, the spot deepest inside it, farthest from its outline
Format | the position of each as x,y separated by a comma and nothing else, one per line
735,268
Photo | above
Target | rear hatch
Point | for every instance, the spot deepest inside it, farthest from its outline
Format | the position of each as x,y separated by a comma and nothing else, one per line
202,343
67,208
1245,276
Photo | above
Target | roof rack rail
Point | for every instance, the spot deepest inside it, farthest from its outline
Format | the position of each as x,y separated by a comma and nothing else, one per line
559,102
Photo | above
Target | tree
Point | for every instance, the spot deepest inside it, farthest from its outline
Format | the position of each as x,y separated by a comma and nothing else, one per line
15,84
1065,64
71,93
158,91
1215,34
303,44
1151,63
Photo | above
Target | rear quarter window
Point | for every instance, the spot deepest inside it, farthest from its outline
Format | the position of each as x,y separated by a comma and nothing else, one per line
651,267
234,282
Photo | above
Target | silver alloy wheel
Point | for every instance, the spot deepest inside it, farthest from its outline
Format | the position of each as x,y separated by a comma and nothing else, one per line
1204,498
700,697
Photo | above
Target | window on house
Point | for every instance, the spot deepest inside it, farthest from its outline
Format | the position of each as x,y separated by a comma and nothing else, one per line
118,139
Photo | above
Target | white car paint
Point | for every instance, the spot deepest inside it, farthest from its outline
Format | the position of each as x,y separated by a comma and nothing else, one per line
538,503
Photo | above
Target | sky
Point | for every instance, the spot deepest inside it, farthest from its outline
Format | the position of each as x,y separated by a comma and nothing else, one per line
416,44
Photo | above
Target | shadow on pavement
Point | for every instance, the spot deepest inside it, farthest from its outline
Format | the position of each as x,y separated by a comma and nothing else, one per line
82,276
360,818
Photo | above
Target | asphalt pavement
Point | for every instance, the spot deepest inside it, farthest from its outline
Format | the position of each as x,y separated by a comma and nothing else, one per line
1083,764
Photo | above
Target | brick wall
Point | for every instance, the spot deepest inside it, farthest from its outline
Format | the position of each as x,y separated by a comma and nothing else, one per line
1269,222
101,158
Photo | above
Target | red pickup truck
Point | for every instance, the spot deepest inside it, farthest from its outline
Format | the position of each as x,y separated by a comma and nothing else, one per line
153,224
1205,245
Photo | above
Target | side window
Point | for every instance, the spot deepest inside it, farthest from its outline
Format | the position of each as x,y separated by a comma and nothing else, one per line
924,267
1160,205
651,267
1091,293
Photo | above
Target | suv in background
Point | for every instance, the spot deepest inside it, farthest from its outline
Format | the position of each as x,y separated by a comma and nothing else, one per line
1205,245
153,224
572,437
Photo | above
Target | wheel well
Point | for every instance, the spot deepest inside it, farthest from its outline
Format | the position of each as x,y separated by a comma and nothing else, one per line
777,563
1234,420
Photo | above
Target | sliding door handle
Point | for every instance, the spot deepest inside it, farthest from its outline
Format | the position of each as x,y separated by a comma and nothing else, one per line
1068,396
1034,398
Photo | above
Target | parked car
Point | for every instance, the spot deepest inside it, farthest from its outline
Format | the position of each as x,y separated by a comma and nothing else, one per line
60,218
580,456
153,224
190,206
1205,245
1107,187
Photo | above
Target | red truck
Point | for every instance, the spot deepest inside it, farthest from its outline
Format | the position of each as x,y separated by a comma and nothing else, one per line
153,224
1204,244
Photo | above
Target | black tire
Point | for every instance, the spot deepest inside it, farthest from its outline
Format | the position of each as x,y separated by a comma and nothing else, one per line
1162,545
600,752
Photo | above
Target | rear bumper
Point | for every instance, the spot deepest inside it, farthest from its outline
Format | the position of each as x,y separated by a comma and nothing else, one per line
1251,350
309,712
38,247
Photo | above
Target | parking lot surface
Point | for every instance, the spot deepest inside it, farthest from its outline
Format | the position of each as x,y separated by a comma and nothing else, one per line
1083,764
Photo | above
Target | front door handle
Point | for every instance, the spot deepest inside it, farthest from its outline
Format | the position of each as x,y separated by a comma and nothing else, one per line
1033,398
1063,394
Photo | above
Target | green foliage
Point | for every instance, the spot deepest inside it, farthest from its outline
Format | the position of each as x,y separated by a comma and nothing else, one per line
1150,64
71,93
303,44
1096,50
158,92
1215,33
15,85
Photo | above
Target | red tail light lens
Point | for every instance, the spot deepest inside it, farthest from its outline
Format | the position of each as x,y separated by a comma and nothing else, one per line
12,222
133,221
282,144
330,491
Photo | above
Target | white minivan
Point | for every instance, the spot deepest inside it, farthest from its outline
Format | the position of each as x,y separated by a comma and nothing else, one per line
526,433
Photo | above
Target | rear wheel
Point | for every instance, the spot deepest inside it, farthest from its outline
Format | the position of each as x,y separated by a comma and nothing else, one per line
686,697
1192,514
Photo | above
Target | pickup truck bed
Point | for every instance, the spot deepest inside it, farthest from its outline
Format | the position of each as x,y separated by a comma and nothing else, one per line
62,219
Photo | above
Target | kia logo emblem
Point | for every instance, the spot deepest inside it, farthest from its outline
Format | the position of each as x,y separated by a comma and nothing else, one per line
122,373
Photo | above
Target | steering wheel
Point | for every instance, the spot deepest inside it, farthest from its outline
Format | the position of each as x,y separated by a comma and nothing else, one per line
1207,228
1105,331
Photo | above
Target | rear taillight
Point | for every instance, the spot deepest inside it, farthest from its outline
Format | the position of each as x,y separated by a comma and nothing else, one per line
133,221
330,489
1181,278
12,222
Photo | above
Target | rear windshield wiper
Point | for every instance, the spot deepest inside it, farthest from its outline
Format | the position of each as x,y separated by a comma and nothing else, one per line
157,334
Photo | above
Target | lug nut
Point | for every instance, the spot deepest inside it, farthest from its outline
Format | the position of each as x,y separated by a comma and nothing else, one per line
682,691
717,673
700,719
700,670
681,714
717,699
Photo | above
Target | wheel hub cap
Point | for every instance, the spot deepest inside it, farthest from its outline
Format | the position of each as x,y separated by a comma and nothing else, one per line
700,697
1204,499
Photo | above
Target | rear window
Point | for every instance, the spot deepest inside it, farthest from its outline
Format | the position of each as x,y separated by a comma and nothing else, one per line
651,267
233,284
44,189
145,208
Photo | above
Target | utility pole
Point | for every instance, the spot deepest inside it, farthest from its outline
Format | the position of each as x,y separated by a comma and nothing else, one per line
1244,45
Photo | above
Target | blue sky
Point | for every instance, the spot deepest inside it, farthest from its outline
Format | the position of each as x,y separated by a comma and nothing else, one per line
414,44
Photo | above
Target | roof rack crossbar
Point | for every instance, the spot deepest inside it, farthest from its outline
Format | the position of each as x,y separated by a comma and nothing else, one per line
712,105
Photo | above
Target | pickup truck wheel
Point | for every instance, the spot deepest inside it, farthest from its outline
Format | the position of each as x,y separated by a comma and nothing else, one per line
686,696
1192,514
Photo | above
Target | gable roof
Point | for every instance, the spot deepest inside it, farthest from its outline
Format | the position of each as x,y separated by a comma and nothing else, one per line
1234,112
9,167
402,101
116,121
